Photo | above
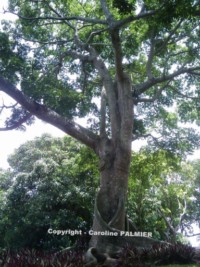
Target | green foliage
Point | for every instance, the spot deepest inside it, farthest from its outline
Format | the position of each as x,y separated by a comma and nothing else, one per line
195,209
124,6
160,182
52,186
11,57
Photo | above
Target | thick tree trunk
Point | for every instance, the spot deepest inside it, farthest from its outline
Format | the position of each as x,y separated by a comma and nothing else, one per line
109,213
115,156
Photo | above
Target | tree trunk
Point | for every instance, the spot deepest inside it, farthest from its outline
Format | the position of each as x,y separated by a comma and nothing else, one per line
109,212
115,156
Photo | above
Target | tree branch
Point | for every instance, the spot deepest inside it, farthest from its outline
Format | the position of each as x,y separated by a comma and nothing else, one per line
150,56
185,96
59,16
7,107
141,88
154,98
193,235
171,228
42,112
123,22
107,83
17,124
106,11
116,43
168,38
76,18
104,74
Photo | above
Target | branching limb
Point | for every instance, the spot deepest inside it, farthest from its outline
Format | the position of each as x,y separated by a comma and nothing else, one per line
169,37
18,123
107,13
141,88
93,34
185,96
150,56
56,13
141,15
171,228
134,138
154,98
193,235
70,18
42,112
7,107
92,56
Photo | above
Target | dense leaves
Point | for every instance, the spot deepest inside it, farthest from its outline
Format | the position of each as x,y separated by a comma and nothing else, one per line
156,256
161,195
52,186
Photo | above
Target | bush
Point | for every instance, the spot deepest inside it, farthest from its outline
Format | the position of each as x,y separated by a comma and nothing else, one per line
158,255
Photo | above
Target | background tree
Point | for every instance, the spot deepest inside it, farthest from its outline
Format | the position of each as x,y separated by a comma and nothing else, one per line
138,58
51,186
162,190
194,209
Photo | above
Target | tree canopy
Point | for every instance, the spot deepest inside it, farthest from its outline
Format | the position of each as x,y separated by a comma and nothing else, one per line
62,63
50,185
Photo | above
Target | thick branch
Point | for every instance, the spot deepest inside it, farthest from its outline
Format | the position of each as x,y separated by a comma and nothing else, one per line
109,87
116,43
92,56
42,112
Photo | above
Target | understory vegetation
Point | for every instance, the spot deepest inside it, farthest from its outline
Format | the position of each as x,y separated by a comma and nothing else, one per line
128,257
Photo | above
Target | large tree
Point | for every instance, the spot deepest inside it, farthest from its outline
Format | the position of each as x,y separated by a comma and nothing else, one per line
122,63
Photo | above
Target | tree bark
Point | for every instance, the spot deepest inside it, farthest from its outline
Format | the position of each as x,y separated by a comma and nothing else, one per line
115,156
109,212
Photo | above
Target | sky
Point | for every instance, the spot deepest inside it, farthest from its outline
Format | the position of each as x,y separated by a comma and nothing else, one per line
10,140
